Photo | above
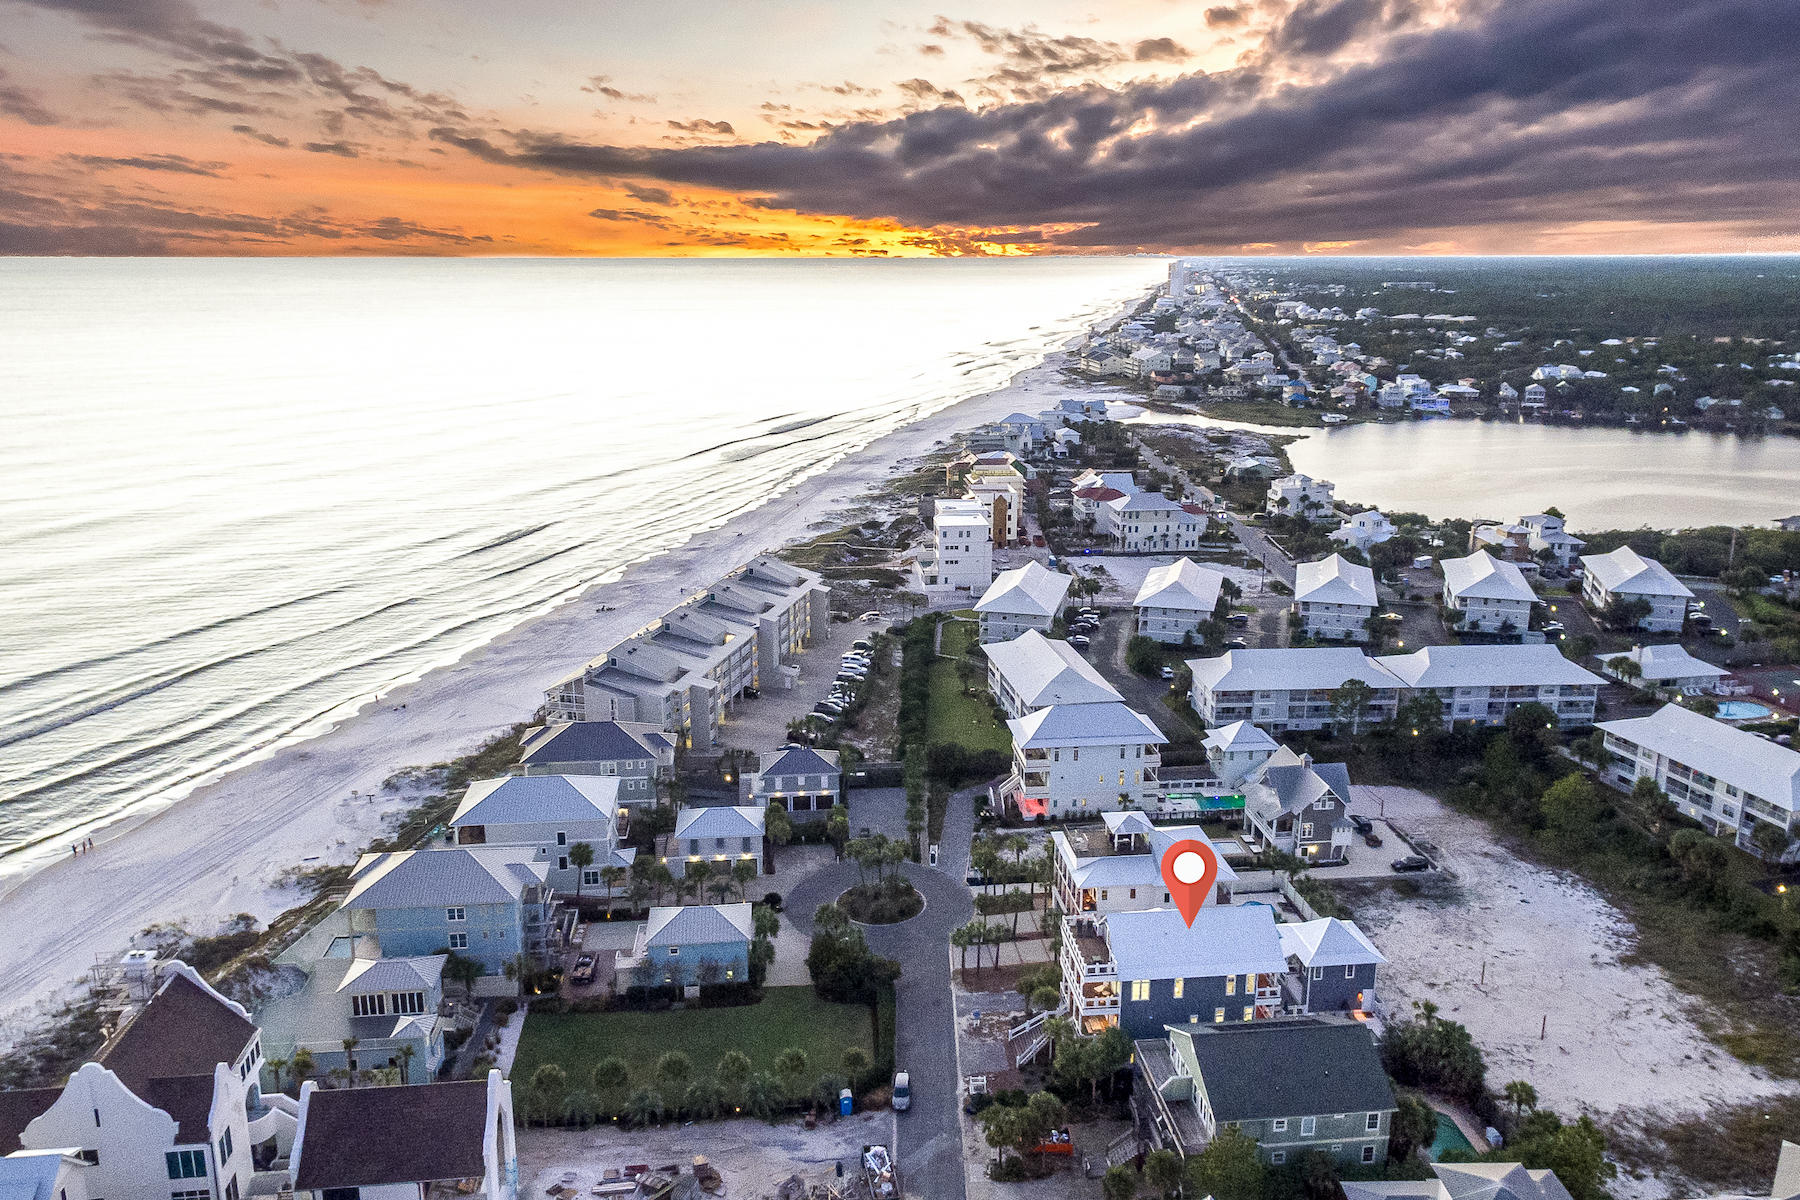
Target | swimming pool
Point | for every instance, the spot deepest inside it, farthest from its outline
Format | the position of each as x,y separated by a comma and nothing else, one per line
1744,710
1449,1137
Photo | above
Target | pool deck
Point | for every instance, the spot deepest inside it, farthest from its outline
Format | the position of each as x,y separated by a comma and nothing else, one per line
1464,1120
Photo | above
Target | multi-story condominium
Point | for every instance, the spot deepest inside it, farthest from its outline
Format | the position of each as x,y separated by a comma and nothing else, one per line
1364,529
543,817
1331,966
1301,496
1488,595
1334,599
1117,867
1733,782
719,835
1486,684
1020,600
483,902
1299,807
1465,1181
441,1139
1281,690
689,946
1150,522
804,781
638,754
1075,760
171,1105
1236,749
1292,1087
1625,575
1146,969
1033,672
1667,667
1175,599
685,671
959,555
998,483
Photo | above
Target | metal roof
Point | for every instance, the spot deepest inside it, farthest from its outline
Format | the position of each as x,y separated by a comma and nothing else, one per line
720,821
1328,942
1108,724
1158,944
1335,580
699,925
1045,672
1182,584
1627,572
1540,665
1031,589
534,799
460,875
1481,576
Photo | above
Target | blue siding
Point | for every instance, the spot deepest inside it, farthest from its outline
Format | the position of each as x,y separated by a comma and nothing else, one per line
1199,1002
495,933
1334,993
683,968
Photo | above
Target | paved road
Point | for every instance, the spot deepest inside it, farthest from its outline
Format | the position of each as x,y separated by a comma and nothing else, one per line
1259,546
930,1134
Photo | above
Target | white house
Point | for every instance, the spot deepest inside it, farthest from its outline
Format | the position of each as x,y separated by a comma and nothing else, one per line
1033,671
1489,594
1625,575
1547,533
1732,782
1072,760
1334,599
1090,503
406,1143
1485,684
1668,668
958,554
1175,599
546,815
1301,495
1281,690
719,835
1237,749
996,481
1118,866
1021,432
1020,600
1367,528
1151,522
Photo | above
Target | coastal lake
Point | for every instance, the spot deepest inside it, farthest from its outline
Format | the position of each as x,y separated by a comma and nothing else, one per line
1601,478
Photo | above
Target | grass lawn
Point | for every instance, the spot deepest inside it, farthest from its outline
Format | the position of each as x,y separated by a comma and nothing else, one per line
952,716
787,1016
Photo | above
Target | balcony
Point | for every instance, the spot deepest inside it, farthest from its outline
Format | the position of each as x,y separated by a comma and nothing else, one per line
1085,942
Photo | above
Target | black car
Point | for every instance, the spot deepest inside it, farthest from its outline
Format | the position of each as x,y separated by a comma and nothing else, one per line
1362,824
1412,862
1372,838
1238,619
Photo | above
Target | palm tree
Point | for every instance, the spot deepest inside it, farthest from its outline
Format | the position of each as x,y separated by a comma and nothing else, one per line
407,1053
743,873
1521,1095
581,856
733,1071
350,1044
704,1099
856,1061
276,1066
644,1107
721,886
613,877
693,880
610,1077
673,1070
300,1066
762,1095
791,1065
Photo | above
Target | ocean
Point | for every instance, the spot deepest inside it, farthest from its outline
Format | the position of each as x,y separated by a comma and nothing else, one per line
238,497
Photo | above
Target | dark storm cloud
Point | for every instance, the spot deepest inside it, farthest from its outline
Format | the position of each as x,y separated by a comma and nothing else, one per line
1541,111
24,104
341,149
268,139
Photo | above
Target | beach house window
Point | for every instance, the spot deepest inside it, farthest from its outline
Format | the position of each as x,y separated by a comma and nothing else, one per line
1307,1125
1277,1157
459,941
456,913
225,1147
1368,1154
1218,1016
562,862
589,878
1279,1125
183,1194
1179,985
1231,985
1350,971
186,1164
409,1004
372,1005
1318,972
1249,1012
1374,1122
1140,989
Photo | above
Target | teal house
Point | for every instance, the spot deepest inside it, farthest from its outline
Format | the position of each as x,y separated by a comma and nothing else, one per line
690,945
480,901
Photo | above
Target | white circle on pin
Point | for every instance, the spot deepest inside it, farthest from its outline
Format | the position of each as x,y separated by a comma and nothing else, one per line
1189,866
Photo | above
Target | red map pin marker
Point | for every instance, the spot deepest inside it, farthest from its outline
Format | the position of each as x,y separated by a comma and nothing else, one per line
1189,869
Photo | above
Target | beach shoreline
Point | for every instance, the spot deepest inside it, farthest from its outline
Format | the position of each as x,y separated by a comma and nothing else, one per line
220,849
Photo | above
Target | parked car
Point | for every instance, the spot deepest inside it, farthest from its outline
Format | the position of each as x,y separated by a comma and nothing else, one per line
872,615
1362,823
583,974
1168,672
1372,838
1238,619
1237,644
1553,627
1412,862
863,644
1079,642
902,1091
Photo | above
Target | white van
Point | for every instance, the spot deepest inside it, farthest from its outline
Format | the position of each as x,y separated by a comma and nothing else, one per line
902,1091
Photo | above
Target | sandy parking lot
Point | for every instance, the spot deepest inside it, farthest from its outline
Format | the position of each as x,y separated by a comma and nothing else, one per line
1618,1041
753,1157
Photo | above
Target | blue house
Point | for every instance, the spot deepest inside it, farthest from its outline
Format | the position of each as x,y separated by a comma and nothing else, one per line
480,901
1333,966
689,945
1144,970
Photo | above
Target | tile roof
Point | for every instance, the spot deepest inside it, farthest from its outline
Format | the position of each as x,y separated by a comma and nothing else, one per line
1626,571
428,878
1335,580
1031,589
533,799
365,1137
1481,576
1258,1070
699,925
1045,672
1182,584
1158,944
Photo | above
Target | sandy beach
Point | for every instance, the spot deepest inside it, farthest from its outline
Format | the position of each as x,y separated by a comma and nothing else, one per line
222,849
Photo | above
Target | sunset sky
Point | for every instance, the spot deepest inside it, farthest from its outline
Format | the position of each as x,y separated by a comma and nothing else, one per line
856,127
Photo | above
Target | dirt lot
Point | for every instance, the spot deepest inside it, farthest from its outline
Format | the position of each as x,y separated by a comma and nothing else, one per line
753,1157
1618,1041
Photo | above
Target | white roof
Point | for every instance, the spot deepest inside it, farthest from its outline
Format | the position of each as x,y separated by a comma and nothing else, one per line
1131,821
1487,666
1630,573
720,821
698,925
1671,662
1138,870
1182,584
1304,668
1109,724
1328,942
1714,748
1158,944
1484,577
1335,580
534,799
1239,736
1045,672
1031,589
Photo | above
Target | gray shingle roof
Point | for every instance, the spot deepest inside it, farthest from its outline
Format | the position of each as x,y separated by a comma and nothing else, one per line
1259,1070
591,741
802,761
699,925
428,878
364,1137
532,799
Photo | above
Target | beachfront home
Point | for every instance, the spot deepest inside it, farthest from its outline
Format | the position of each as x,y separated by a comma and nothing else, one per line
1628,579
1301,496
1117,866
1487,594
406,1143
1148,968
1151,523
1236,749
688,946
1283,689
999,482
1734,783
483,902
804,781
1299,807
1292,1087
1033,672
1334,599
391,1011
1021,432
1665,668
958,555
1120,481
1484,685
638,754
1364,529
1331,965
720,835
1020,600
546,817
1076,760
685,671
1504,1181
1175,599
171,1105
